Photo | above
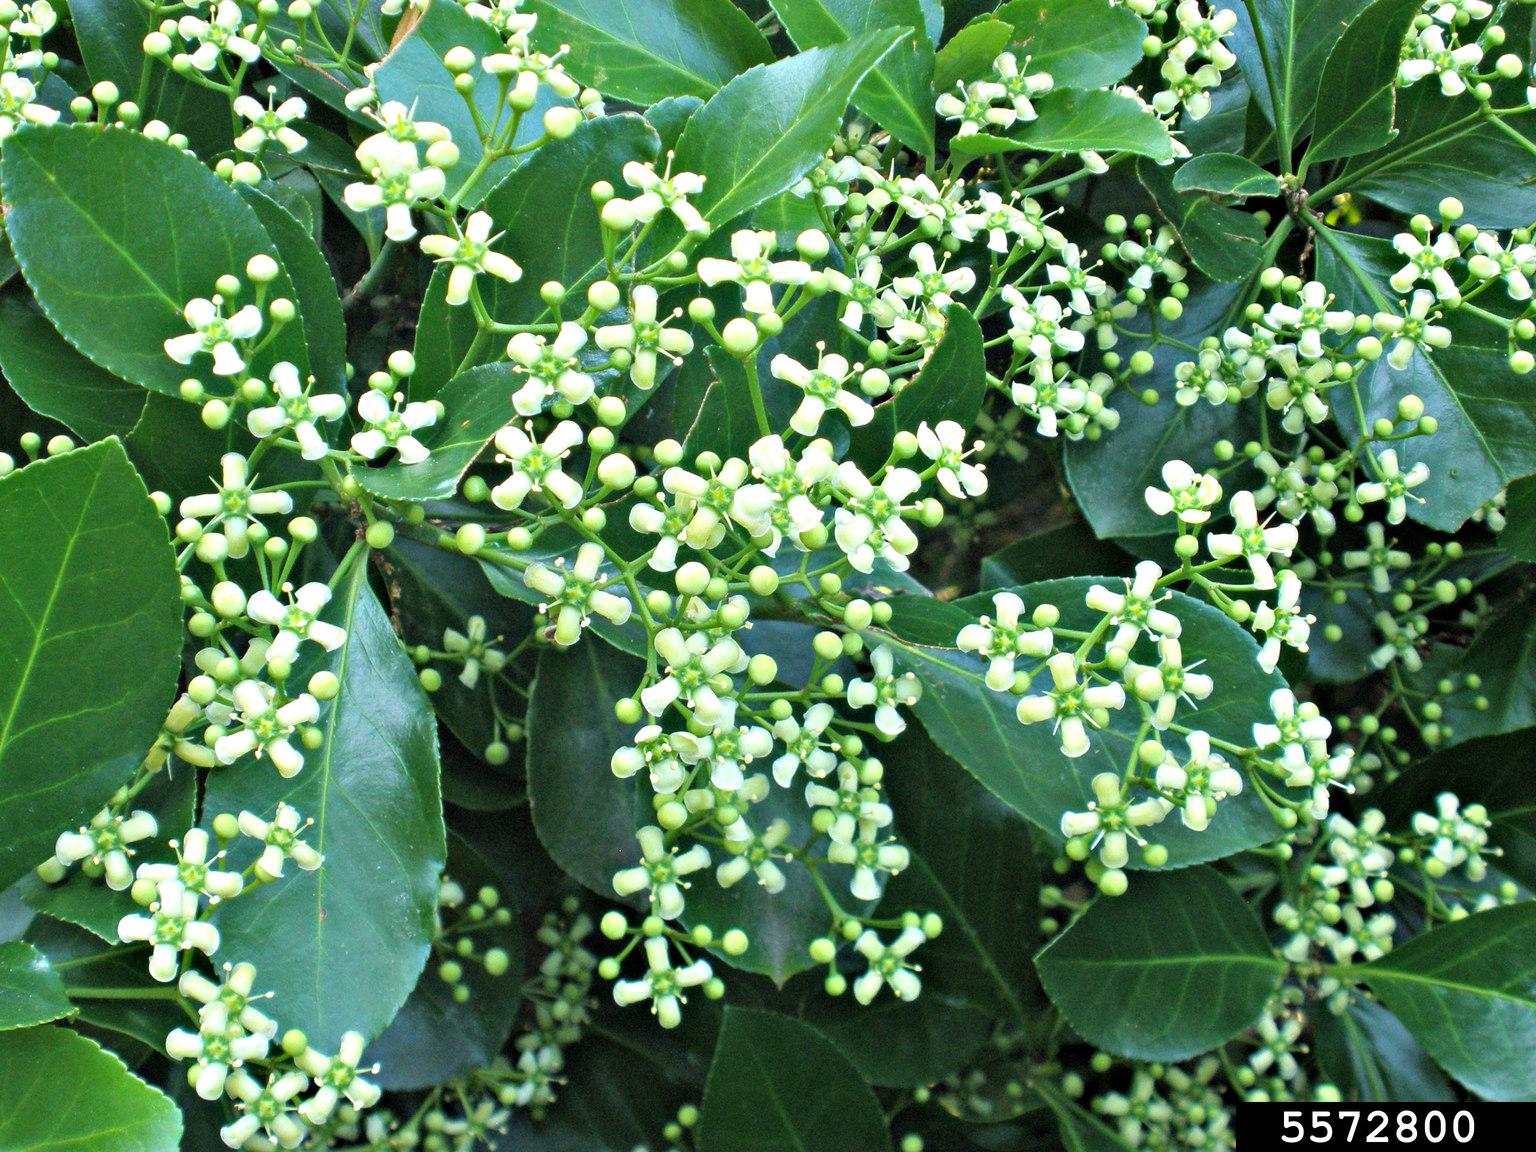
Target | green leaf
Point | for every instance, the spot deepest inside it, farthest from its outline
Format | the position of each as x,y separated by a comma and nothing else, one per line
1467,992
319,300
1360,82
642,51
477,404
342,948
1172,969
90,631
435,1038
584,815
30,990
1022,764
414,74
1487,414
1066,550
54,380
898,93
951,386
903,1044
1101,121
155,227
549,225
1081,43
1494,772
1225,243
776,1083
1227,174
1368,1048
1282,47
64,1093
769,126
969,54
1519,535
111,38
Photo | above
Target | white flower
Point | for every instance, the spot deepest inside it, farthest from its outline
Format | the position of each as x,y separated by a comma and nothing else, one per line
976,107
1311,317
472,647
1135,610
1282,622
1379,556
193,870
1196,786
780,502
869,524
1168,682
575,593
823,388
336,1077
888,965
104,842
218,1046
662,984
1020,84
945,446
399,127
1072,705
264,726
536,466
551,367
469,255
296,621
232,996
669,191
270,123
391,423
1112,820
398,183
1457,835
1001,640
18,104
1427,262
1431,56
1253,542
928,282
170,928
756,855
803,744
852,803
752,268
691,664
884,691
1189,495
645,338
869,856
235,505
265,1107
1416,329
215,334
280,836
661,871
297,409
220,33
1395,486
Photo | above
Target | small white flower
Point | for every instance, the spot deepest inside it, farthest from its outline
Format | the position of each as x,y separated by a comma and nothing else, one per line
220,33
669,192
928,282
692,662
756,855
1427,262
1001,639
1252,541
1111,819
1071,704
1196,786
751,266
269,123
336,1077
234,505
264,726
869,856
398,183
662,984
18,103
885,691
888,965
574,594
392,423
869,525
1190,495
536,466
265,1108
661,871
945,446
1395,486
104,843
803,744
645,337
170,928
1135,610
472,647
193,869
824,388
469,255
296,621
298,410
551,367
215,334
280,836
1282,622
219,1046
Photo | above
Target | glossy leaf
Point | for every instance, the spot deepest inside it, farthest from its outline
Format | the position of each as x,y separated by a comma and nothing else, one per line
1172,969
1226,174
31,992
64,1093
765,129
341,948
156,228
1080,43
90,630
642,51
777,1083
898,93
1368,1053
1098,121
1487,414
1359,82
969,53
1022,764
1224,243
53,379
1467,992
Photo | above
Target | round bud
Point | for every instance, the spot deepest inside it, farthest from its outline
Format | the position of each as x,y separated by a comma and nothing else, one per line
613,925
740,337
604,295
469,539
561,121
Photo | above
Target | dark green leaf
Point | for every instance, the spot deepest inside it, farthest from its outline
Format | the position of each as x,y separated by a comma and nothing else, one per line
1359,82
670,116
953,383
642,51
898,92
342,948
64,1093
769,126
1022,764
1225,243
776,1083
1174,968
1080,43
1066,550
90,630
1100,121
1487,413
1371,1057
30,990
1519,535
903,1043
155,227
1226,173
54,380
434,1038
1467,992
585,816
